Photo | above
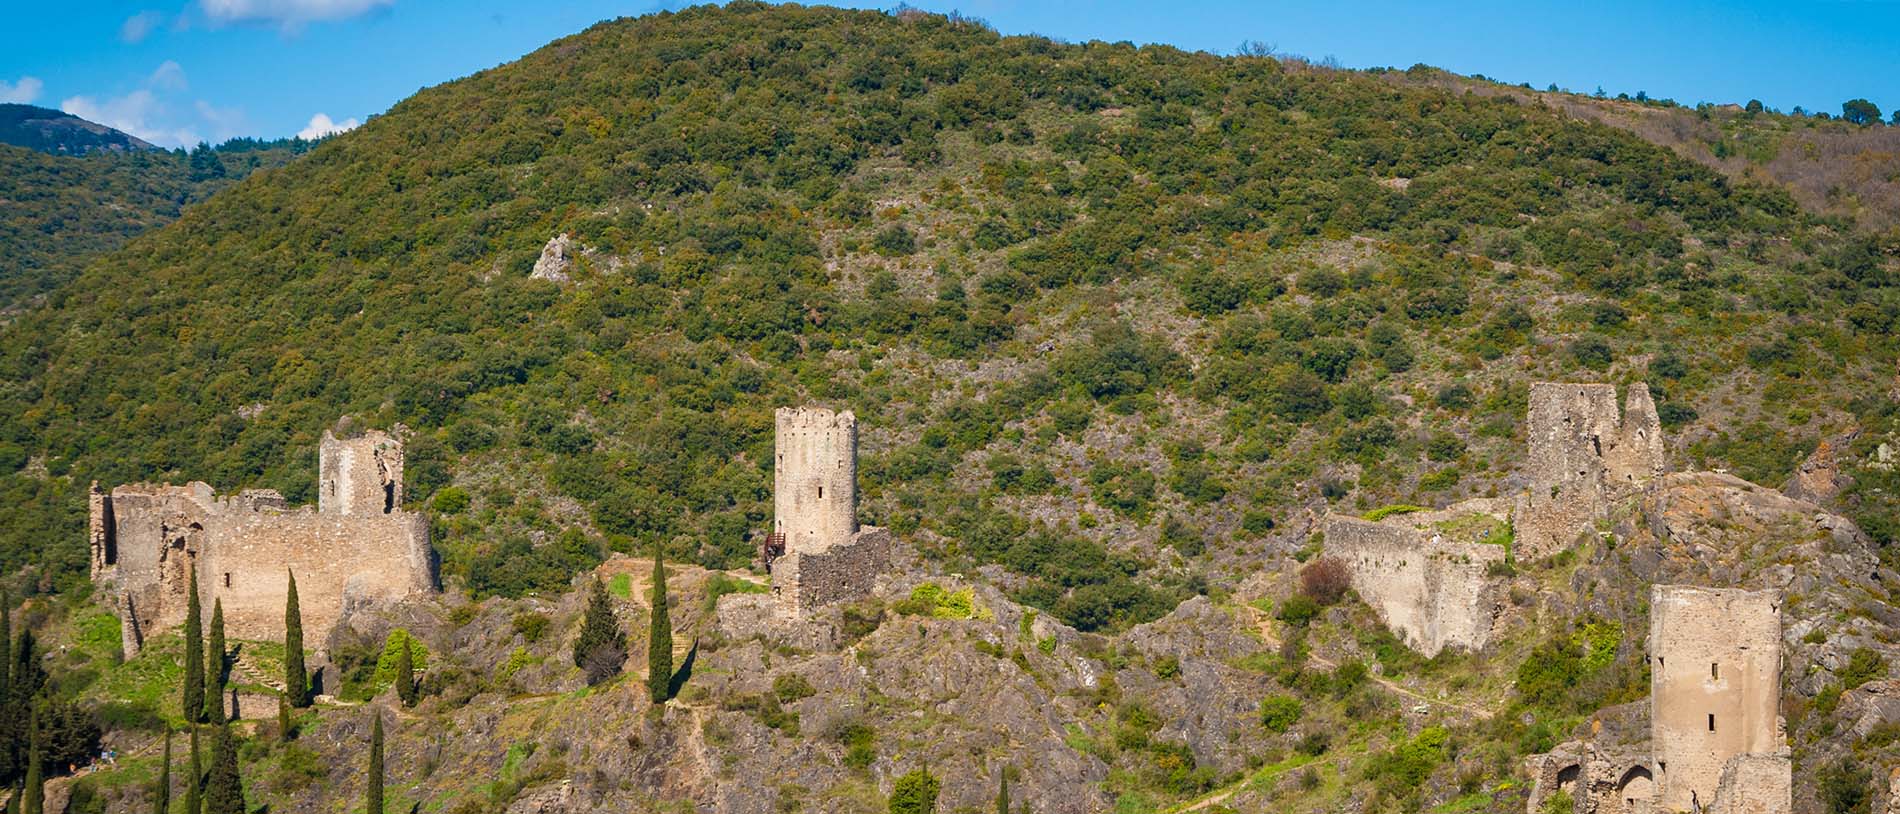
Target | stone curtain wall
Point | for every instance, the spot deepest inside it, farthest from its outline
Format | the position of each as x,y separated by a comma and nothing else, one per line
806,581
815,478
1432,592
337,559
1715,686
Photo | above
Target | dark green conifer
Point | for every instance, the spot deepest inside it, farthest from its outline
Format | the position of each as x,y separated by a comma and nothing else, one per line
1002,794
224,789
601,649
193,707
283,719
373,798
296,681
162,792
660,643
214,665
406,674
194,779
34,794
6,645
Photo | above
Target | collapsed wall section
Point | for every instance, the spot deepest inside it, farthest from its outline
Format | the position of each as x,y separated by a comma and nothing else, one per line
1583,454
1431,591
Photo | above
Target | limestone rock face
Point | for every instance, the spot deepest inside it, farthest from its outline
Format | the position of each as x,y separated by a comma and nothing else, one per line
1819,479
1210,705
556,259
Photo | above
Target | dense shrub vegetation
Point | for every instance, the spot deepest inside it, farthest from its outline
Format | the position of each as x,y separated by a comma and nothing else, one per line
1104,311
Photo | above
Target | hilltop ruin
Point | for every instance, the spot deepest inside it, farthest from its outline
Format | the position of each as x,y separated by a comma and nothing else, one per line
356,545
816,553
1429,574
1715,738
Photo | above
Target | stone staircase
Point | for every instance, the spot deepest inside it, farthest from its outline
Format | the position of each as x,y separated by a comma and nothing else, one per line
245,666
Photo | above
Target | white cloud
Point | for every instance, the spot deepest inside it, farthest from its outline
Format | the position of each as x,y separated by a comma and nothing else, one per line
288,14
169,76
321,125
226,122
136,27
23,91
154,113
140,113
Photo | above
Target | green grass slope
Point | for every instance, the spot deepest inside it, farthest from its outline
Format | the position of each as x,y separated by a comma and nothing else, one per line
1113,318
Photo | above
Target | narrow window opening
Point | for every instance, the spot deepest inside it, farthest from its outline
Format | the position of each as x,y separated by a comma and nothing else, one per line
1711,722
821,493
227,579
389,497
1715,671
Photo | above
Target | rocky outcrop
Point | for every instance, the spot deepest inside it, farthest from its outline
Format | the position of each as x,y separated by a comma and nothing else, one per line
557,258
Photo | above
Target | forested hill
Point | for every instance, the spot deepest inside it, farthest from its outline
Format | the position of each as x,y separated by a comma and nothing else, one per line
1114,318
62,212
51,131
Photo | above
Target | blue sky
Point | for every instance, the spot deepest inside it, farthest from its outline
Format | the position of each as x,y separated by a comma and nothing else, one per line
177,71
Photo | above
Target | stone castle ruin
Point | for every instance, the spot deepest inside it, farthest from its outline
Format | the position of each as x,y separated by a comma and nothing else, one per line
1428,574
1715,742
816,553
1425,572
1583,456
356,545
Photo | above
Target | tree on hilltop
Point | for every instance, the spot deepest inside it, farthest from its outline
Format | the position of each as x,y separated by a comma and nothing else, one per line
1860,111
660,637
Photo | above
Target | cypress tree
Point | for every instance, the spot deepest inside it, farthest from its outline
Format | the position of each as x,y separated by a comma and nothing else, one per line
214,665
1002,794
601,648
6,645
283,719
224,790
406,674
194,696
194,781
35,792
373,798
660,642
296,681
162,792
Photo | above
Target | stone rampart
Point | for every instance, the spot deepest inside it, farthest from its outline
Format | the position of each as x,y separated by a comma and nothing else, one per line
806,581
1429,588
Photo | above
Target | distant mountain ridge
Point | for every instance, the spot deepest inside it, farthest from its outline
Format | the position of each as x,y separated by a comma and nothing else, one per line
52,131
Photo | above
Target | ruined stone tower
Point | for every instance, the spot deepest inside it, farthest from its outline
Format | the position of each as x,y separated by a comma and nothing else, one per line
815,478
358,545
361,475
1583,455
1715,685
817,554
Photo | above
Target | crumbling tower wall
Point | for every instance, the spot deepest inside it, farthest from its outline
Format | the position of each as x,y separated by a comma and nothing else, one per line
359,475
1715,686
815,478
1429,586
1583,455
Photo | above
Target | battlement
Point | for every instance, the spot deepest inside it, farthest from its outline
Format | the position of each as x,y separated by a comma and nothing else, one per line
147,540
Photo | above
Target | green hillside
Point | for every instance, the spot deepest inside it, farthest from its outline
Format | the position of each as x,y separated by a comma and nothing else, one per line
1114,318
62,212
